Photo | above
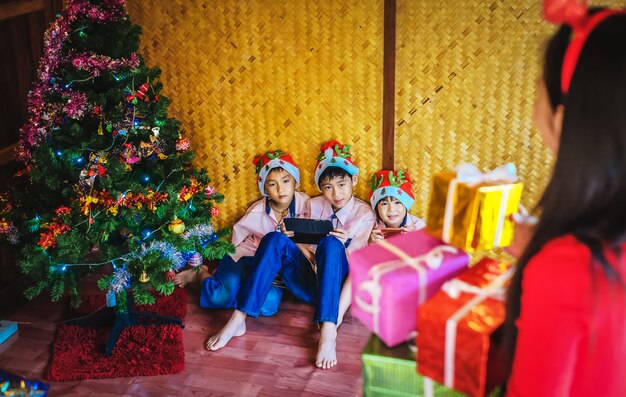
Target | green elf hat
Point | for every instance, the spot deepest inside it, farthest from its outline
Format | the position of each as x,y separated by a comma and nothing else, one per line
396,184
334,154
277,159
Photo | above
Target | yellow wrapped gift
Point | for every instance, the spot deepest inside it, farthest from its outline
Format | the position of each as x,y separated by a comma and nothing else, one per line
472,210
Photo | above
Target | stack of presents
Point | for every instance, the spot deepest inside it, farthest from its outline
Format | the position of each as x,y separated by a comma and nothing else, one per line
436,312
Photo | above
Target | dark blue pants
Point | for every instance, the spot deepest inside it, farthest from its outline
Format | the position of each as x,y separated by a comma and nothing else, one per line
220,290
278,254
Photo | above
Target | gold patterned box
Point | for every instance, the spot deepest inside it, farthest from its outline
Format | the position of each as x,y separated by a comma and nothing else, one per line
471,210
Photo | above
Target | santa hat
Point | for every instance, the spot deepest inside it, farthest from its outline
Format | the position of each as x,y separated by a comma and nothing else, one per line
276,159
334,154
396,184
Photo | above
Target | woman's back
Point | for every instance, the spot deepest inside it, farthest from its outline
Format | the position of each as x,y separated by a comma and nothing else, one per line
572,325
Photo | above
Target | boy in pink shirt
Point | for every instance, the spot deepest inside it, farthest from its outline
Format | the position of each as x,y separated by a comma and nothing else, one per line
392,198
277,179
313,273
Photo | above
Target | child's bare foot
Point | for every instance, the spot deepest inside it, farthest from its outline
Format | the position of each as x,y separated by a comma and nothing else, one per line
191,276
326,351
236,326
186,277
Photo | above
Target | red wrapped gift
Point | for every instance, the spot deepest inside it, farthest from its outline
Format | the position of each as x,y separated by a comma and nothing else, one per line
458,333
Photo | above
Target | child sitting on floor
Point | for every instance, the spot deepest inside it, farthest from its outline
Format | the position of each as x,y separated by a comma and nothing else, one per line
314,274
391,199
278,177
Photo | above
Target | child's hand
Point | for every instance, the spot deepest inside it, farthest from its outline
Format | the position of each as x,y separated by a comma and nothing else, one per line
376,235
288,233
408,228
341,234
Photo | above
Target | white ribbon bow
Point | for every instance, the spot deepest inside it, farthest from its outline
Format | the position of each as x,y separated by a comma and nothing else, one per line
470,174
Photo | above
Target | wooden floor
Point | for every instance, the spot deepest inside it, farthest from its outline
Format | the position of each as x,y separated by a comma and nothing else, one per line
274,358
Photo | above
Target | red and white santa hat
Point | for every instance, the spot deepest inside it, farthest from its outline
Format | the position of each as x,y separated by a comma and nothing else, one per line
334,154
270,160
386,183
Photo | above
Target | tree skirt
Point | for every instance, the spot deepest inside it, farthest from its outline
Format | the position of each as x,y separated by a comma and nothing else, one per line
142,350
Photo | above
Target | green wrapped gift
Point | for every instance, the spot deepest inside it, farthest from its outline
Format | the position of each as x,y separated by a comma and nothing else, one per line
392,372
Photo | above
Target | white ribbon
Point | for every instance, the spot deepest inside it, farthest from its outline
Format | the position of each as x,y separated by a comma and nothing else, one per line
494,289
455,286
433,259
429,387
469,174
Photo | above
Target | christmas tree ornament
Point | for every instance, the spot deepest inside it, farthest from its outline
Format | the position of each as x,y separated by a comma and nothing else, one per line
182,144
215,211
156,131
100,129
110,299
146,149
142,92
170,275
195,259
209,190
144,278
125,233
176,226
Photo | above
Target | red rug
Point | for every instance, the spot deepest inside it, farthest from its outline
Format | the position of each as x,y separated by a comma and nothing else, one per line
142,350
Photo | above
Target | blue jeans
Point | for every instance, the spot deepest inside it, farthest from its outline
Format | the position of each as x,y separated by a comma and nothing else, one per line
278,254
220,290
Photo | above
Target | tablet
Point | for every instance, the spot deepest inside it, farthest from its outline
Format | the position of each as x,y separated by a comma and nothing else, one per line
308,231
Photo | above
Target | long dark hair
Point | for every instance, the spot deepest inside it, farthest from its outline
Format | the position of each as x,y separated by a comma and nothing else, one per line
586,196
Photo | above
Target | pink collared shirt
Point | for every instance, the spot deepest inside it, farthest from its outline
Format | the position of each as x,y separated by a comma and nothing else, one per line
356,217
410,220
257,222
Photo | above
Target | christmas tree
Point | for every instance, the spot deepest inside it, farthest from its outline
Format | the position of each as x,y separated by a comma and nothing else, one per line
108,184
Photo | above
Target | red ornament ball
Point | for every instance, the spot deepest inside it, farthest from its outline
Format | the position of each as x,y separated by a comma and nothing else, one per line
170,275
215,211
182,144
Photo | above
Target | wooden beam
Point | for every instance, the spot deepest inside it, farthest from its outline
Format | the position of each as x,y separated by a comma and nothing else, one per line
389,84
20,7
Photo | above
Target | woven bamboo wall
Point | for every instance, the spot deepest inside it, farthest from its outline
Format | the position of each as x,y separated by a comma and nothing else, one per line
465,89
465,84
249,76
246,76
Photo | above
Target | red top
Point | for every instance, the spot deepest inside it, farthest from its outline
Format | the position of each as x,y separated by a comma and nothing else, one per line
572,325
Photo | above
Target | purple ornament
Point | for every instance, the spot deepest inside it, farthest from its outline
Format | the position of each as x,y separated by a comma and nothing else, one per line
195,260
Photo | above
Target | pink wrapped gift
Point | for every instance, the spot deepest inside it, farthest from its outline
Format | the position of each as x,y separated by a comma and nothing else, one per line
390,279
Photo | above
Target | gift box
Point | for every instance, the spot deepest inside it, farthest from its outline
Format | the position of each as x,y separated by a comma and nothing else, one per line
13,385
392,372
472,210
460,330
7,329
392,277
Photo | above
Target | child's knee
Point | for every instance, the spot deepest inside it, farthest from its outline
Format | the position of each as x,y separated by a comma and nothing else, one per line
330,242
274,238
